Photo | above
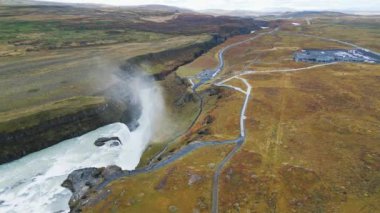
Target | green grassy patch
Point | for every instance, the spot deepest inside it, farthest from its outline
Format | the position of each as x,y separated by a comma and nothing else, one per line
56,34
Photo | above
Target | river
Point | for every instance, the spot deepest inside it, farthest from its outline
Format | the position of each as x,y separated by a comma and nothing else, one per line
33,183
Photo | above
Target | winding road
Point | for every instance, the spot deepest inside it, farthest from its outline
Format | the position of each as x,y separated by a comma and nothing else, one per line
214,72
194,87
199,144
215,188
239,141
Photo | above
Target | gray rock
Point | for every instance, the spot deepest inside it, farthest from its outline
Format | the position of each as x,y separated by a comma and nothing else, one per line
111,171
81,182
102,141
115,143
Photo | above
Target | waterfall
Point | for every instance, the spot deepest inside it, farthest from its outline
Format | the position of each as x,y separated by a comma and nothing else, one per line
33,183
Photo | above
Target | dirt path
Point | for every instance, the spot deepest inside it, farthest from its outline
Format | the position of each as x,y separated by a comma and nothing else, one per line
215,188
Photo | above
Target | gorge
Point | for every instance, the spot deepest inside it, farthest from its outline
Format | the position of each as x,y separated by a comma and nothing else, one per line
26,182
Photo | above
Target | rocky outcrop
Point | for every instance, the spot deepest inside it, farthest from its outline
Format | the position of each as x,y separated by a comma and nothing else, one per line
102,141
81,182
185,98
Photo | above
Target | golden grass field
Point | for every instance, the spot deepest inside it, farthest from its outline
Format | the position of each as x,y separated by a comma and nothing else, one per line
312,136
184,185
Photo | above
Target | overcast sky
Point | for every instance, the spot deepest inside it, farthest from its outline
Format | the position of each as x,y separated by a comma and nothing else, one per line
341,5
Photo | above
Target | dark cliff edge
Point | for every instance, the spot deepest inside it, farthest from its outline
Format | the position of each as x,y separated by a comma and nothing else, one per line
18,143
33,132
160,64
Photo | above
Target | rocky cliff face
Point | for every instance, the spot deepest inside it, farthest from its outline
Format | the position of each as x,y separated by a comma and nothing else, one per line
23,141
18,143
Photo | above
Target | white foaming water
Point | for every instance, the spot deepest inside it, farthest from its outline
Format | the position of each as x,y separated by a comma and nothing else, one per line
33,183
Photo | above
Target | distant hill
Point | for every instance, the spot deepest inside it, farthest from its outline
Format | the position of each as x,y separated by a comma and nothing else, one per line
241,13
275,13
160,8
151,7
310,14
26,2
14,2
45,3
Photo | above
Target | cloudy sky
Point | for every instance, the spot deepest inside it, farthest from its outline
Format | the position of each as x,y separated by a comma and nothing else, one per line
341,5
